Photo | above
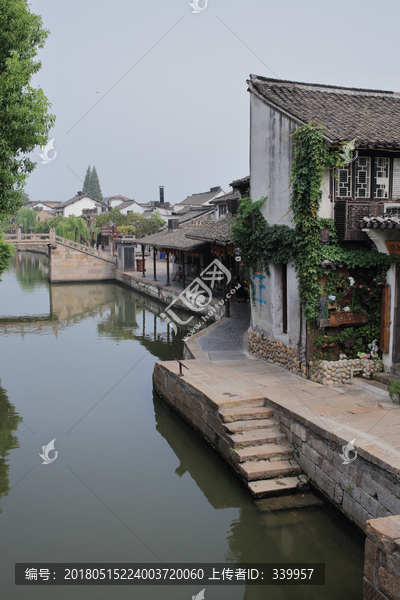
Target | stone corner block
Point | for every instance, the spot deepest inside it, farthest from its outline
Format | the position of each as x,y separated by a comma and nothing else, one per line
383,532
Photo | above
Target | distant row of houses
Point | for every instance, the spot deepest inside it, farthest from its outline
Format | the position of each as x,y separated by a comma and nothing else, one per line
209,205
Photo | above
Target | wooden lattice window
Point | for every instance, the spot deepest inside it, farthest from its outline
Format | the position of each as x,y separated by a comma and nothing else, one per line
396,179
381,178
343,182
363,176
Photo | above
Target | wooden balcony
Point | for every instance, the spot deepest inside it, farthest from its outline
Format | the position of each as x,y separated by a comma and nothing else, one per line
348,214
339,318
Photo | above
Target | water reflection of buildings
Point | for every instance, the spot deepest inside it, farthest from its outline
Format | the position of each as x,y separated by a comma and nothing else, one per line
134,316
9,421
69,304
124,313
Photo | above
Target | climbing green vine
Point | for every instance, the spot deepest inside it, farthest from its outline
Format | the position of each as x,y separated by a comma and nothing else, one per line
263,244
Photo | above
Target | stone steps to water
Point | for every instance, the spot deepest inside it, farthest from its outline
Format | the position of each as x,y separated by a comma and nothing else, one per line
264,469
287,502
263,457
273,487
244,426
258,437
245,414
264,452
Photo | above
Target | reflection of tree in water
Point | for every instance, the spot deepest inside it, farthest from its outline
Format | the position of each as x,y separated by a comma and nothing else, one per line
31,269
9,421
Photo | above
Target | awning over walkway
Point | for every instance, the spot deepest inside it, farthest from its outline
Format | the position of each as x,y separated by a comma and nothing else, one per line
174,240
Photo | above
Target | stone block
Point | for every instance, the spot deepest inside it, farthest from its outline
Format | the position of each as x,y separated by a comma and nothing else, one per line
330,470
389,584
354,510
307,466
296,441
393,564
383,532
371,561
371,593
325,483
338,496
321,448
312,455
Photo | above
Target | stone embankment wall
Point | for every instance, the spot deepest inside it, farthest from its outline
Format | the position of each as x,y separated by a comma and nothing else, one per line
365,489
166,295
194,406
325,372
329,372
277,352
68,264
382,559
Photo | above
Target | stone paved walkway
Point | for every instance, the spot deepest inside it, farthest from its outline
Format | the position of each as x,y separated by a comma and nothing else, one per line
223,370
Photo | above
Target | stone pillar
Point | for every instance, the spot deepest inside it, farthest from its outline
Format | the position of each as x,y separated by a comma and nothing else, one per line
18,233
52,234
382,559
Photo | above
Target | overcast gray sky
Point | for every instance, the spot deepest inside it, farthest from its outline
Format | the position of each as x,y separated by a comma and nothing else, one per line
180,117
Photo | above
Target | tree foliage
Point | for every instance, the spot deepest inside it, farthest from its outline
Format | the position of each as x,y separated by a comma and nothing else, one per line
86,183
26,218
6,252
25,120
74,228
139,225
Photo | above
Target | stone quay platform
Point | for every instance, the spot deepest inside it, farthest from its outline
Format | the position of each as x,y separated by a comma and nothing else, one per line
280,432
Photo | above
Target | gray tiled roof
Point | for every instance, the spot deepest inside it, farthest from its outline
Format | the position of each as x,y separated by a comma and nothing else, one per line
216,231
199,199
194,214
76,198
175,240
243,182
233,195
370,116
125,204
392,222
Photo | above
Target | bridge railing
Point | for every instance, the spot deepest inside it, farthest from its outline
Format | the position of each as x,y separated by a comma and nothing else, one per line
88,249
45,238
31,237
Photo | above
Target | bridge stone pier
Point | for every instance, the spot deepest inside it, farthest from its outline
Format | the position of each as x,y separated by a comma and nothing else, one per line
68,261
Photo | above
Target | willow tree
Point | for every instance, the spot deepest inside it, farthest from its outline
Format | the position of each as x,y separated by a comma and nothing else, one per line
75,229
26,218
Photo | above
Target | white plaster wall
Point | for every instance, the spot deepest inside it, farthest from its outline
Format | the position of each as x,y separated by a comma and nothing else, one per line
266,315
270,160
326,209
77,207
115,202
132,208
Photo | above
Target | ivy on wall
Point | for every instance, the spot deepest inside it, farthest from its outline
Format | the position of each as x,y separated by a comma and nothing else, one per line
263,244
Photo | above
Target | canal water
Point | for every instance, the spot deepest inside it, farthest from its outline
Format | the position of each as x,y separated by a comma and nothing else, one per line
131,483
